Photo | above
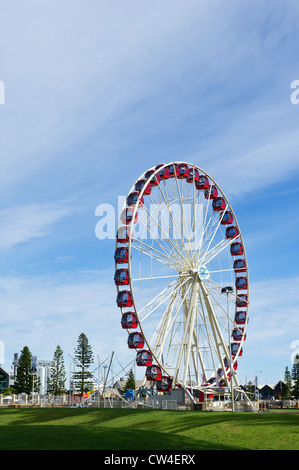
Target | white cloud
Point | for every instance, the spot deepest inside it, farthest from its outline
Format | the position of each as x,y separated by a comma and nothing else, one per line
42,312
21,224
273,317
132,83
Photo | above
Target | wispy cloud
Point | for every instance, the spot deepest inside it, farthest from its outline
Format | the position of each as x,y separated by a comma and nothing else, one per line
93,101
146,88
45,311
21,224
272,328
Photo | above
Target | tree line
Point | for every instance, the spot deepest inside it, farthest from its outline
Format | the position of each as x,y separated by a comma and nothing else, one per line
290,385
27,380
291,380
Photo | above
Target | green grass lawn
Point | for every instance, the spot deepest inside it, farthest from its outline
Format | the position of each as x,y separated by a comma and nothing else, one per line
131,429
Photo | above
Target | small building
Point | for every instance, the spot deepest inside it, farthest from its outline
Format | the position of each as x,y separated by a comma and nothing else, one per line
4,380
274,392
266,391
279,390
41,368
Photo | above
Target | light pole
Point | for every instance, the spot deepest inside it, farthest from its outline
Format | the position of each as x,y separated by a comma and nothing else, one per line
256,384
228,290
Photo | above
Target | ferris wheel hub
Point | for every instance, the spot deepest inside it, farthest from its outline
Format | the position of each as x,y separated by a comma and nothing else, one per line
203,272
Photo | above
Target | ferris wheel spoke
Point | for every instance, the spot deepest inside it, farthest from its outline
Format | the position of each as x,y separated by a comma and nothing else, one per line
207,339
213,233
227,316
217,288
175,227
214,271
172,326
187,336
205,224
152,278
152,304
219,343
157,255
196,222
167,240
183,218
209,255
225,347
167,252
234,297
167,321
207,342
160,298
183,295
224,311
179,249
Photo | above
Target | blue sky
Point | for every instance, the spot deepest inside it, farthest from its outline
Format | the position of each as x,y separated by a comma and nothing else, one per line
97,92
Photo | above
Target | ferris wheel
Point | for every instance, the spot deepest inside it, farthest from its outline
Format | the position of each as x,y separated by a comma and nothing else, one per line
182,278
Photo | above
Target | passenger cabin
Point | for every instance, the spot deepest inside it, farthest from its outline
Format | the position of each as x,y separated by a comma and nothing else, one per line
202,183
144,358
235,349
135,340
121,255
164,173
124,299
155,180
219,204
139,186
227,218
193,175
183,171
164,384
241,283
173,170
127,216
133,198
153,372
129,320
121,277
238,334
242,300
122,235
211,193
236,249
239,265
227,365
240,317
231,232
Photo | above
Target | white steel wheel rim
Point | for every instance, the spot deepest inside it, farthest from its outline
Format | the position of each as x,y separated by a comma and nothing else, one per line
176,275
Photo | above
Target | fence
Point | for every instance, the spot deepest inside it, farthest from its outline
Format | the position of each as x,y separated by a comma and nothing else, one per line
155,402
